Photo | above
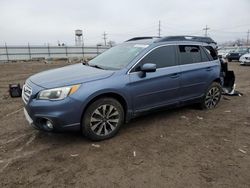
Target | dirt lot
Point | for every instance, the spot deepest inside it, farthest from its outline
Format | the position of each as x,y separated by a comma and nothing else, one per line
184,147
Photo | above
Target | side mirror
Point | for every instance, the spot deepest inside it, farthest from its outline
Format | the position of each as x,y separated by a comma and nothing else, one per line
147,67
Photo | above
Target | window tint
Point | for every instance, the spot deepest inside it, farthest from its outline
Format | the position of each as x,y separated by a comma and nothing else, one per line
189,54
162,57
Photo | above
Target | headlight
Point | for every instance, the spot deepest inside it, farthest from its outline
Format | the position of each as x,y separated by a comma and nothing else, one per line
57,93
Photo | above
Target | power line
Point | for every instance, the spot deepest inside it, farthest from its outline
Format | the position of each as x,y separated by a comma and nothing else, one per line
236,26
206,29
195,33
226,32
105,38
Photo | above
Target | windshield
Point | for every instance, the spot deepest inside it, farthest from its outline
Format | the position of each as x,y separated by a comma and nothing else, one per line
241,50
117,57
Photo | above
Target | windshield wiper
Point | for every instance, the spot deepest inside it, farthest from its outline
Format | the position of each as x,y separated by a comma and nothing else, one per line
85,62
96,66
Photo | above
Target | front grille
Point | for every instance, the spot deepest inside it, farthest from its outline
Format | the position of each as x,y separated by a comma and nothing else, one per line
26,93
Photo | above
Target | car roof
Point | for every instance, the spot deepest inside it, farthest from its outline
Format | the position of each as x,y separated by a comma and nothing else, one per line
152,42
203,39
174,40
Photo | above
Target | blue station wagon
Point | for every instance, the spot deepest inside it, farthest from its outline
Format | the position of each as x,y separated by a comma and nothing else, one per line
137,76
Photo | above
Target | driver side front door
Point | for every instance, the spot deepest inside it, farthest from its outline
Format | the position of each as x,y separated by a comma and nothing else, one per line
158,88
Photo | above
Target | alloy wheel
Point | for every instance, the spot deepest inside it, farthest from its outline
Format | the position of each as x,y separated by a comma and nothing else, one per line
104,119
212,97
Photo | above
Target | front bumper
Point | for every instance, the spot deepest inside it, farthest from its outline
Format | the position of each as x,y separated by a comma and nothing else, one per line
63,114
245,62
28,118
233,57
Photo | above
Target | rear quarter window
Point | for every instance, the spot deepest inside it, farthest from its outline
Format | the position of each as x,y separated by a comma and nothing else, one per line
211,52
205,56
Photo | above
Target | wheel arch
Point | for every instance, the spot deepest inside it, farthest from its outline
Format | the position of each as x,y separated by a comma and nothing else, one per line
218,80
120,98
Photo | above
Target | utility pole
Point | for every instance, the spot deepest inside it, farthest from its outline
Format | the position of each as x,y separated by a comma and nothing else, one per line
159,29
206,29
105,38
248,32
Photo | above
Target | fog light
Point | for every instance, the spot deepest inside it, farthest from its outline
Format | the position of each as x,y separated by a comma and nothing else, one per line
49,125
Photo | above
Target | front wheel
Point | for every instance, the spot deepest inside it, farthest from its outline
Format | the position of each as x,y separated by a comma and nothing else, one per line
212,96
102,119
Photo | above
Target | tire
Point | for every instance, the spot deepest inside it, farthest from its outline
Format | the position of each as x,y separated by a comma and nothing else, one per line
102,119
212,96
229,60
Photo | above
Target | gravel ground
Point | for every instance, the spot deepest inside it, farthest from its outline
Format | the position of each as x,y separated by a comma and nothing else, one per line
183,147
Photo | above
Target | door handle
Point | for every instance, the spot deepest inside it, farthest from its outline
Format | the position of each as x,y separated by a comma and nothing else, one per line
209,68
175,75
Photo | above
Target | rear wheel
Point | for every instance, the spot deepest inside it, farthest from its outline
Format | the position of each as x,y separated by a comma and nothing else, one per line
102,119
229,60
212,96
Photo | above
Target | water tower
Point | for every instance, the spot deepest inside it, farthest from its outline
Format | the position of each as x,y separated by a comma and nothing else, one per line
78,37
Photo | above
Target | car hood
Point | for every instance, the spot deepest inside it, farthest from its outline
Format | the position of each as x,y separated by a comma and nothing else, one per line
246,55
69,75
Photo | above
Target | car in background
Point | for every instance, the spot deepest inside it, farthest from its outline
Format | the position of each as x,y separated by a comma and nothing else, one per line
223,52
245,59
235,55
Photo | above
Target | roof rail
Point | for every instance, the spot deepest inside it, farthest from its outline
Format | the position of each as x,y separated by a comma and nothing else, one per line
207,40
141,38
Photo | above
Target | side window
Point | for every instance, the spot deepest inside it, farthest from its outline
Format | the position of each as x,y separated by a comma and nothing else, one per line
189,54
162,57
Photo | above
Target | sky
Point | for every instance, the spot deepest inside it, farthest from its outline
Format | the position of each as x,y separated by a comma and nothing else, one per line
50,21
